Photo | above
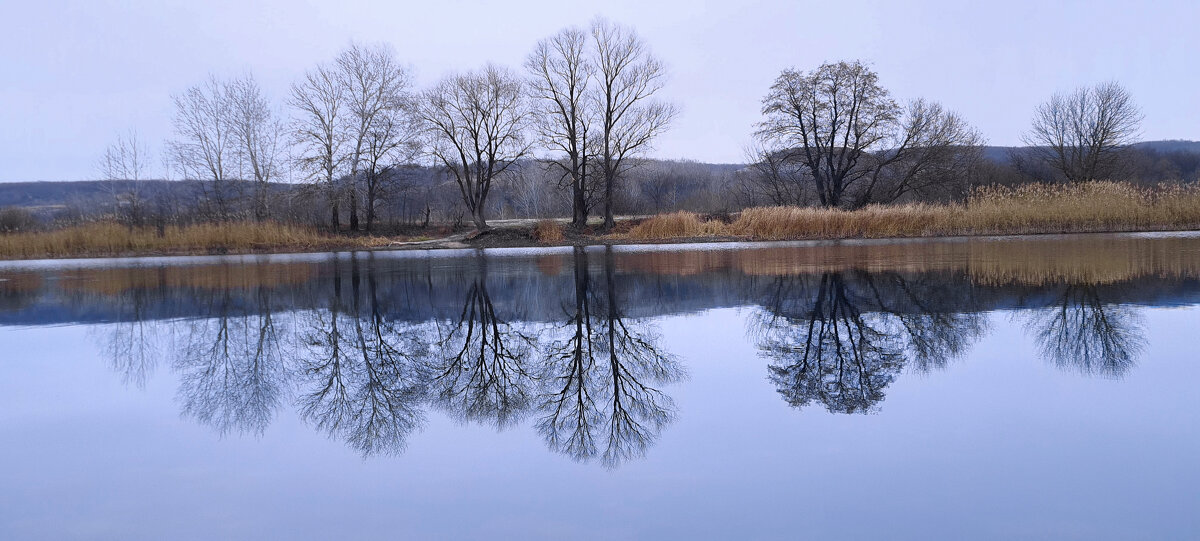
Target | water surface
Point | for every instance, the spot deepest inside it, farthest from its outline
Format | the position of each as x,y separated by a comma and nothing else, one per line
985,389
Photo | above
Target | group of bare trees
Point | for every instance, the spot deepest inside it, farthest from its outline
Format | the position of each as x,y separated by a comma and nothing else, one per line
595,91
226,131
354,121
585,111
835,137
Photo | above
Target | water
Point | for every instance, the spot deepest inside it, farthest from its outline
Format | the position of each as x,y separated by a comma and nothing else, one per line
982,389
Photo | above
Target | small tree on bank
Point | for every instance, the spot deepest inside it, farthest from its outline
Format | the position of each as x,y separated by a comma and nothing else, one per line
1081,135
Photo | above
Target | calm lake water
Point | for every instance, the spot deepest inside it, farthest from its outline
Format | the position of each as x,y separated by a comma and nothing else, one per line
982,389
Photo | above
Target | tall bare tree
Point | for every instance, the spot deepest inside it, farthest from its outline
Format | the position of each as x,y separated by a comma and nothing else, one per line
476,123
376,92
258,131
320,101
561,69
857,143
627,77
1081,134
205,141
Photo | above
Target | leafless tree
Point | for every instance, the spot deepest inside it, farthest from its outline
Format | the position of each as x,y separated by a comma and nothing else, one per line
205,140
124,165
376,91
627,76
476,123
857,143
320,101
1081,134
561,70
258,131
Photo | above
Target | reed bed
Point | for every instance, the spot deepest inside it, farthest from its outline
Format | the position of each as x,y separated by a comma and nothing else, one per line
110,239
548,232
1028,209
678,224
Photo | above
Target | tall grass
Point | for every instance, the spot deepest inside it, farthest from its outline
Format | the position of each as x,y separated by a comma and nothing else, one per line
1028,209
110,239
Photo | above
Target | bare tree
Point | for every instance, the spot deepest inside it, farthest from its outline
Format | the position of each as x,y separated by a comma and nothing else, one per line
627,76
476,124
376,91
858,144
1081,134
124,165
258,131
320,101
561,70
205,141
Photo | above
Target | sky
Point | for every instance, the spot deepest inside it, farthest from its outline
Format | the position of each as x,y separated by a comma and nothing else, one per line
75,75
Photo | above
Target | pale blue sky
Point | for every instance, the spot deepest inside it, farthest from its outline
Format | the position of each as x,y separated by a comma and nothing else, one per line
75,74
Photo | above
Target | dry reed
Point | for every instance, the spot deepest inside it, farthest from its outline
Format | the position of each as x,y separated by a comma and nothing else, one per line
548,232
1028,209
110,239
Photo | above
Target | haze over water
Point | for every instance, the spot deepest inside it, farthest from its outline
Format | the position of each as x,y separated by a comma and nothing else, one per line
980,389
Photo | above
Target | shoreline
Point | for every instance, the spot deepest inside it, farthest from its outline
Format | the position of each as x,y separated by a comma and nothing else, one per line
523,239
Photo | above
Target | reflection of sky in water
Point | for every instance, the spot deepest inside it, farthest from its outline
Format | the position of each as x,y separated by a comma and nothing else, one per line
991,431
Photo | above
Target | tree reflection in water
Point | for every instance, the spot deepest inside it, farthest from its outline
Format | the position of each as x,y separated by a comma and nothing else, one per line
363,346
602,375
231,368
362,379
482,372
842,342
1086,334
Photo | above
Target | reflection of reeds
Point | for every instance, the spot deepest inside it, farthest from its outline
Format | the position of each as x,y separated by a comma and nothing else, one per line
113,281
102,239
21,282
1078,259
1034,208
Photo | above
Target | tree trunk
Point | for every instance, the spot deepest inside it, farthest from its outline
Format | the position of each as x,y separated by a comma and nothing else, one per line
353,209
478,219
609,222
579,205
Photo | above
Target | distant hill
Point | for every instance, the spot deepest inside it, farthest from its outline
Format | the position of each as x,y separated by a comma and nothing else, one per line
1000,154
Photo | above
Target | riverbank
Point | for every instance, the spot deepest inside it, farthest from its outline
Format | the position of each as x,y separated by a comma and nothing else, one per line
1102,207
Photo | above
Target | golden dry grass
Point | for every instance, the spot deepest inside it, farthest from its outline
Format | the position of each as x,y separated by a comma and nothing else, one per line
1028,209
110,239
677,225
548,232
